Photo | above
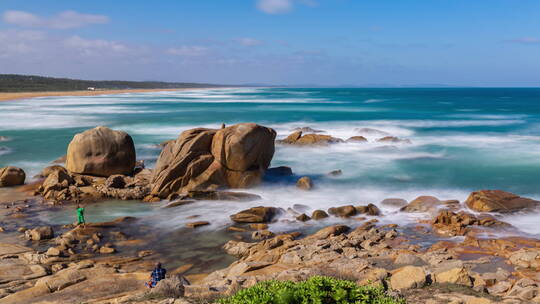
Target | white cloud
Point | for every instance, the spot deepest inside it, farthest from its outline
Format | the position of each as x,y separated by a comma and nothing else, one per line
246,41
63,20
188,51
94,46
275,6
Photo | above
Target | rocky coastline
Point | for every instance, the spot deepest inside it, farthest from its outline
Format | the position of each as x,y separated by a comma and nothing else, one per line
455,253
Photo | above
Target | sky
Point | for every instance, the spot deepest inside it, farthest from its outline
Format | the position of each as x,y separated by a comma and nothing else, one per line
279,42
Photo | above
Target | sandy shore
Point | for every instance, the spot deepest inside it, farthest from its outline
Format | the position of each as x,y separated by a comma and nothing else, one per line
25,95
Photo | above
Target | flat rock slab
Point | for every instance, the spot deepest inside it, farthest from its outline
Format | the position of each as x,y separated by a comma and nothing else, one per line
9,249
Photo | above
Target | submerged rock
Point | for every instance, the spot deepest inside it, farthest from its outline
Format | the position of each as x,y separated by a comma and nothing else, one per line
11,176
223,196
498,201
280,171
40,233
101,152
393,139
357,139
209,159
422,204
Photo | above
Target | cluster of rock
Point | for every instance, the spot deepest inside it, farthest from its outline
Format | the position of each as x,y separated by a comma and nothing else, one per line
211,159
300,139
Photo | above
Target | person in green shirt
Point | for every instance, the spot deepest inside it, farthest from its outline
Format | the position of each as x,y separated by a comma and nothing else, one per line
80,215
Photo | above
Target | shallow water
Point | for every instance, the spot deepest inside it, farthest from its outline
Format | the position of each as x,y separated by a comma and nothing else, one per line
462,140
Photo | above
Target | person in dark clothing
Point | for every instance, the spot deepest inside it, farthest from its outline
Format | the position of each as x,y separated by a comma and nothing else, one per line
157,275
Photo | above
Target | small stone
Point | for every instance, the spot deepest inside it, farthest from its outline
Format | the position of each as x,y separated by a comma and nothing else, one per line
319,214
106,250
335,173
258,226
304,183
197,224
303,217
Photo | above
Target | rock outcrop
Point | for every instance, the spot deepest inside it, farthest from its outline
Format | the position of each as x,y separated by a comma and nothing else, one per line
101,152
210,159
255,215
311,139
498,201
11,176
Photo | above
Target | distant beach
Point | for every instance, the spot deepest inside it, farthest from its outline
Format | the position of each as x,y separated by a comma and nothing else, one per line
24,95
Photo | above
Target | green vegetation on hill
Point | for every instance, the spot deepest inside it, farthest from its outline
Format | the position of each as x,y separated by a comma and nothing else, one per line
320,290
28,83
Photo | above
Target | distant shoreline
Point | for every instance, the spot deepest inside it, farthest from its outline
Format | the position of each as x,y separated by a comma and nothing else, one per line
24,95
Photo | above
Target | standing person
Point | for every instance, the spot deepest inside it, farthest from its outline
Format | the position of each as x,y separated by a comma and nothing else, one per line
157,275
80,215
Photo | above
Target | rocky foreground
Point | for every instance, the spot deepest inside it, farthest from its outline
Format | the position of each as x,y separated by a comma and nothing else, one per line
93,263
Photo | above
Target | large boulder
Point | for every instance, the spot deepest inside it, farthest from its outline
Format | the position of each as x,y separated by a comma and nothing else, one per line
11,176
408,277
101,152
209,159
498,201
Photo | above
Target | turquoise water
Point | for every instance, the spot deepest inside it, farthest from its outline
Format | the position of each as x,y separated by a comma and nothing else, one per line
462,139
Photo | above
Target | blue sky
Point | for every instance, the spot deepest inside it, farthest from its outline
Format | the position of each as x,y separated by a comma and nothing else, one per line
294,42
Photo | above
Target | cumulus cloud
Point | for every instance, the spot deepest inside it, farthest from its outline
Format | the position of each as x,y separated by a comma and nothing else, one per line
188,51
63,20
275,6
246,41
526,40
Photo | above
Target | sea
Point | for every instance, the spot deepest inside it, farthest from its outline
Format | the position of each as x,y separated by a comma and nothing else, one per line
460,140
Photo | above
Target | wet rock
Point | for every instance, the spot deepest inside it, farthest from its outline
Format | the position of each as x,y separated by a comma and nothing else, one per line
11,176
370,131
208,159
292,138
303,217
343,211
255,215
40,233
422,204
451,224
308,130
304,183
116,181
393,139
370,209
197,224
498,201
408,277
259,226
335,172
180,202
101,152
319,215
279,171
394,202
357,139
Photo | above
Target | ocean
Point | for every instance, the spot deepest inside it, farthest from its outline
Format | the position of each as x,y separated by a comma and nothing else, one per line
461,140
